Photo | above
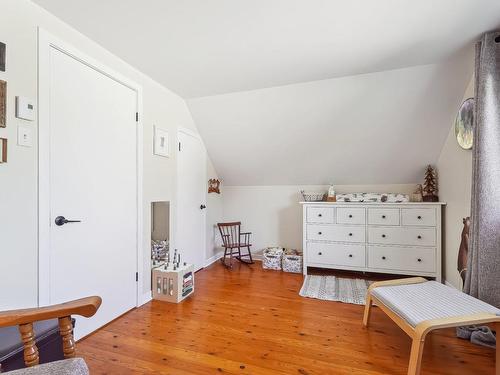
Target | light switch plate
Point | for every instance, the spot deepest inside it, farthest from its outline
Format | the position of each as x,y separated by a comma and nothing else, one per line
25,108
24,136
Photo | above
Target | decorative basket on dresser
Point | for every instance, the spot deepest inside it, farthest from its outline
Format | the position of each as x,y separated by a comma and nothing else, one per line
395,238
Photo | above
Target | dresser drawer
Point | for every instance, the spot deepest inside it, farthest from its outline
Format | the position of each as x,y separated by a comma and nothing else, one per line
347,215
336,254
418,216
402,236
321,215
341,233
402,259
383,216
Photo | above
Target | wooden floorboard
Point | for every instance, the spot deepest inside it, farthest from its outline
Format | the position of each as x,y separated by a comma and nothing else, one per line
252,321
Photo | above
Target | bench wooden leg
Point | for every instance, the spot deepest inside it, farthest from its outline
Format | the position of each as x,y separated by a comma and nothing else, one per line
417,349
368,307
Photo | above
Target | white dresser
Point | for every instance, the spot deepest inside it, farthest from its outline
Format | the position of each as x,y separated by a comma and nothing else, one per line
397,238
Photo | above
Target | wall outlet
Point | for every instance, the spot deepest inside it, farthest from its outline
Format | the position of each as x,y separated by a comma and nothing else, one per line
24,136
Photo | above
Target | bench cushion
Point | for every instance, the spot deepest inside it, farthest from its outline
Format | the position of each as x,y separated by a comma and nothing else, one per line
416,303
74,366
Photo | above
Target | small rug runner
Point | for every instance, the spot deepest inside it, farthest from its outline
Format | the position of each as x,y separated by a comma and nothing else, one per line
332,288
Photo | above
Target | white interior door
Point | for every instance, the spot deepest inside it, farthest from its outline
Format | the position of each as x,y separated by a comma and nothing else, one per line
191,195
92,174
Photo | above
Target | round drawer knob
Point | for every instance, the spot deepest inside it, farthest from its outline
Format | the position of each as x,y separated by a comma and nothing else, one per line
383,258
320,233
320,253
419,237
350,216
419,260
320,215
419,217
383,216
350,234
383,236
350,255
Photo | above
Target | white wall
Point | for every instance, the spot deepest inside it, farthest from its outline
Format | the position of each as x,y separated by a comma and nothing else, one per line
18,178
347,130
273,213
455,180
214,216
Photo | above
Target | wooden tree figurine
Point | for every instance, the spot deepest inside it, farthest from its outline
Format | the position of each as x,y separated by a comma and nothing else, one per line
430,185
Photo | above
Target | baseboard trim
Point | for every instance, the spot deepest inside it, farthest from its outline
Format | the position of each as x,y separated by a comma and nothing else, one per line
145,298
257,257
214,259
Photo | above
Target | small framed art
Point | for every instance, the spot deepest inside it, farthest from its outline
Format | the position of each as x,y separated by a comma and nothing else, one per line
3,104
161,142
3,150
2,57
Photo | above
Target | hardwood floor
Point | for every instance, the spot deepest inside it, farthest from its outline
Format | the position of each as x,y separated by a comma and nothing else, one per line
251,321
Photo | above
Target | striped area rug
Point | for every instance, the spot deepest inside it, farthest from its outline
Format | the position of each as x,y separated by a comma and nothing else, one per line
332,288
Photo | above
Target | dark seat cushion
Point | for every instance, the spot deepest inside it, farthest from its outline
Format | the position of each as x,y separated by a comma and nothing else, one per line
10,338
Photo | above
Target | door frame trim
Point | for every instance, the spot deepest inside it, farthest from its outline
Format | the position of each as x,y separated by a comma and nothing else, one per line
46,41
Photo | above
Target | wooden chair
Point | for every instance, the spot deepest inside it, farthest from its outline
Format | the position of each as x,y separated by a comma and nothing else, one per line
419,306
25,318
233,240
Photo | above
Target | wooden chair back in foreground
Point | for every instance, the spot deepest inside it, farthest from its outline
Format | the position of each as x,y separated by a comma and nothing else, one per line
24,318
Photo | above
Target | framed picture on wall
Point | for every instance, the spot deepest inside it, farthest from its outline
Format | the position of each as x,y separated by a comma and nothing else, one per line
3,104
2,57
161,142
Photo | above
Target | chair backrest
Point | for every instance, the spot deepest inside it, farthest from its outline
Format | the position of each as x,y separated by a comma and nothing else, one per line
230,232
25,318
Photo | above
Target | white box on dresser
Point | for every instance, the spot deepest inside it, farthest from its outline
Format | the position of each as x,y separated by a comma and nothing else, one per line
396,238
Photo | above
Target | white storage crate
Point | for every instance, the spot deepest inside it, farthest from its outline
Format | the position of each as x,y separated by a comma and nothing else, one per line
271,258
292,261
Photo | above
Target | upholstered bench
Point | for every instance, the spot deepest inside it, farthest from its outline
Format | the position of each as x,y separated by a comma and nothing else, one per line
419,306
73,366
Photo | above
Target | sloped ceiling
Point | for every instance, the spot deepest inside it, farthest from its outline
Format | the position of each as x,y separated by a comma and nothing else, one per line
365,129
302,91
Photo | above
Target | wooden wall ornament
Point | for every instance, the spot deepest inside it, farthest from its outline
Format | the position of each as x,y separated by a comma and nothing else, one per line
214,186
3,104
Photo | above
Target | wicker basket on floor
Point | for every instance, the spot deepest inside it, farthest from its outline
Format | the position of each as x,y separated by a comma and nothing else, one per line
292,261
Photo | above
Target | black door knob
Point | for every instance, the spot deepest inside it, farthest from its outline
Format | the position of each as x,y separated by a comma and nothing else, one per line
61,220
320,233
320,253
419,237
202,207
350,216
419,259
350,255
320,215
350,234
419,217
383,258
383,216
383,236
